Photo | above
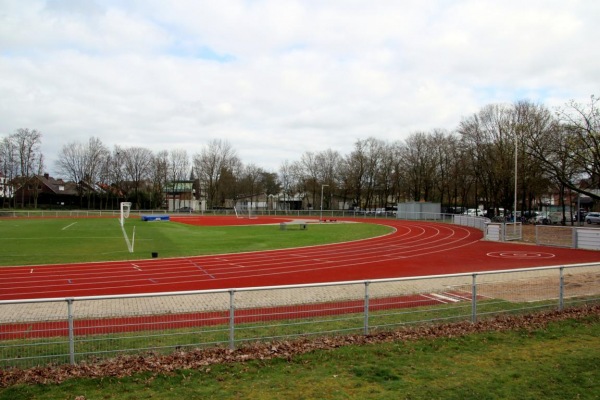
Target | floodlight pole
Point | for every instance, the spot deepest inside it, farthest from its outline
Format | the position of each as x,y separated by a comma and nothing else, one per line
321,218
515,210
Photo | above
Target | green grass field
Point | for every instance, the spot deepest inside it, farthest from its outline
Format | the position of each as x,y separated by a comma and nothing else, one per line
66,240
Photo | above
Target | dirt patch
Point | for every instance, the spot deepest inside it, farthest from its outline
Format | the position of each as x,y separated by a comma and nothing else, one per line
543,288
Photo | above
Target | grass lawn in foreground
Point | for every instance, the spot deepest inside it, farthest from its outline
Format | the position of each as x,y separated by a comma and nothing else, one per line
66,240
561,361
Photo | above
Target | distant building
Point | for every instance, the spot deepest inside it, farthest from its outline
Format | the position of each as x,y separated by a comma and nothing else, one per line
6,189
183,195
43,190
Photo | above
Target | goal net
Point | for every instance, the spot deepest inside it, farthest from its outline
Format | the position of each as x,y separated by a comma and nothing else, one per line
125,210
248,213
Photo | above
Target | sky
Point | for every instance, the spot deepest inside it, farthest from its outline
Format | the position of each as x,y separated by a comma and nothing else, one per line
278,78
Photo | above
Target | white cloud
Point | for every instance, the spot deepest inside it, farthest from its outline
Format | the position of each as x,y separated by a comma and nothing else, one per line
280,77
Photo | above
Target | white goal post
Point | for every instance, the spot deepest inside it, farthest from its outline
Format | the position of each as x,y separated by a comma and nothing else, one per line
125,210
247,213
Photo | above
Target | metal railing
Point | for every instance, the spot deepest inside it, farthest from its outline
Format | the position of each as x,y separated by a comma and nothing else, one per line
426,216
85,329
575,237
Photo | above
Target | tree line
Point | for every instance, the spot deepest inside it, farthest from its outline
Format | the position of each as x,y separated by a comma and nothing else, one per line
474,163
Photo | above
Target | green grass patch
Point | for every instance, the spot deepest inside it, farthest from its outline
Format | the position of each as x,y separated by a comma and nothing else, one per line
559,362
64,240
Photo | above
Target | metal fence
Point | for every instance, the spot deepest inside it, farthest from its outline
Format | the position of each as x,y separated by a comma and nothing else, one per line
568,236
86,329
315,213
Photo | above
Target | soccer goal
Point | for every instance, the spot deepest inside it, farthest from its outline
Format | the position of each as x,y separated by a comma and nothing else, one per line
125,210
247,213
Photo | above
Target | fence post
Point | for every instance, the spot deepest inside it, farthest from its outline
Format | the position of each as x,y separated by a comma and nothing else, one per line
474,299
71,331
366,323
561,289
231,320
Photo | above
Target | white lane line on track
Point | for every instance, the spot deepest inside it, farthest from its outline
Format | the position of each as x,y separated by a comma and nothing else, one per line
447,298
136,267
466,296
202,269
432,296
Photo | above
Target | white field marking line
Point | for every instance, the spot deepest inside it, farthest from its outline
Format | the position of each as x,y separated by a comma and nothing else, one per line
68,226
464,297
431,297
448,298
127,239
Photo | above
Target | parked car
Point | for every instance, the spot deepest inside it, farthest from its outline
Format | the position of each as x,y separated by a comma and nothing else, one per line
474,212
185,209
592,218
543,218
579,216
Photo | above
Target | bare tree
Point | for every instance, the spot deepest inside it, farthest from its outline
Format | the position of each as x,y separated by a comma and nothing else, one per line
211,164
159,174
581,123
138,166
9,167
446,155
418,156
328,173
30,160
491,138
308,171
82,163
178,169
285,182
251,183
355,168
535,129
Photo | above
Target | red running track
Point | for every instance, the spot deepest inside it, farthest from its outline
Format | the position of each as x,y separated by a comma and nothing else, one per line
413,249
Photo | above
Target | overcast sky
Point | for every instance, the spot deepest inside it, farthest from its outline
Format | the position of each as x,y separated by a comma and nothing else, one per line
277,78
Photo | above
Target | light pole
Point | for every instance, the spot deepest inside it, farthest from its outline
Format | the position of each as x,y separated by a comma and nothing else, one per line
321,218
516,168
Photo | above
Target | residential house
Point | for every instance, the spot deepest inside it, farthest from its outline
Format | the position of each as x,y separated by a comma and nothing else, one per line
45,191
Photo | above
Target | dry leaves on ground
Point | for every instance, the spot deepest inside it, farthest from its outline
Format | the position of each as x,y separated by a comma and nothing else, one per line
202,359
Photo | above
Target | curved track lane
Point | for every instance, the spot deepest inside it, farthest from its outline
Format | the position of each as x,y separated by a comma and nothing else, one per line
413,249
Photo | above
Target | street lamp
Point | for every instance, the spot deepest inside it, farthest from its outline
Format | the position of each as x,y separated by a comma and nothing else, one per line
321,218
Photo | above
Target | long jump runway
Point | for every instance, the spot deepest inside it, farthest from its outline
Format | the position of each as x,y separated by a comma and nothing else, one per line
413,249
